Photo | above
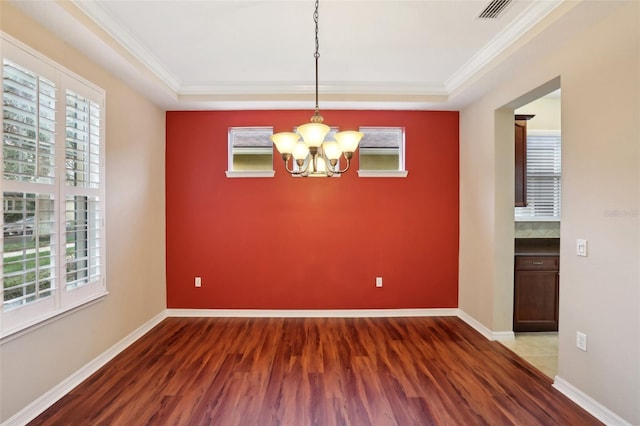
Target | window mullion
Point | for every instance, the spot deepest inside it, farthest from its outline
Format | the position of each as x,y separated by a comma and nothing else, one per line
37,129
59,196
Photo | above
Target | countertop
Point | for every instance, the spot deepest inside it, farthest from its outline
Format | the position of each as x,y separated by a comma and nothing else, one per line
537,247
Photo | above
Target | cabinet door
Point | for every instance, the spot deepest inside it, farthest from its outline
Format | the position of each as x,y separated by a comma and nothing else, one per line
521,163
535,305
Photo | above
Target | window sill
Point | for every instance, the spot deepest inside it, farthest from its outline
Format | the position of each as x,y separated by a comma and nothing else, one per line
536,219
26,328
383,173
254,174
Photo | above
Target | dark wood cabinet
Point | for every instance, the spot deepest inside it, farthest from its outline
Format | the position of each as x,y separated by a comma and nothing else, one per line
521,159
536,292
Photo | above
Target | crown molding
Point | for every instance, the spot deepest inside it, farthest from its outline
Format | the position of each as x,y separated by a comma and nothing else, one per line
296,88
523,23
105,21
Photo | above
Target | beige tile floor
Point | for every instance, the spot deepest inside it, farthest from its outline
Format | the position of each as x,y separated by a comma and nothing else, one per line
539,349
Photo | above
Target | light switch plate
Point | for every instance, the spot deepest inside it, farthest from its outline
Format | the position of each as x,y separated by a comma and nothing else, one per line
581,341
581,247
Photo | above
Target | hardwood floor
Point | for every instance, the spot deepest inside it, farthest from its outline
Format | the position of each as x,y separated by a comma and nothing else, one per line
315,371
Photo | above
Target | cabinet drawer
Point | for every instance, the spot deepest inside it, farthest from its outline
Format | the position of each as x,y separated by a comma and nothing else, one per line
537,262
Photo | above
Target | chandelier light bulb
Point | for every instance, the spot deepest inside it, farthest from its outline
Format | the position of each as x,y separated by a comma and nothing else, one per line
300,151
331,150
349,140
313,134
285,141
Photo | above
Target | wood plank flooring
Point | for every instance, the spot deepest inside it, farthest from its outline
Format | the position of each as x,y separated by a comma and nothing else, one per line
315,371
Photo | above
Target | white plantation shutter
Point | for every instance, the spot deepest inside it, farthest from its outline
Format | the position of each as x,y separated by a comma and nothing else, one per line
52,189
543,177
83,209
28,190
28,125
82,141
29,262
84,241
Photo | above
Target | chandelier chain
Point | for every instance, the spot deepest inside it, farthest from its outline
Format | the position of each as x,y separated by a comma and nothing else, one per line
315,19
316,55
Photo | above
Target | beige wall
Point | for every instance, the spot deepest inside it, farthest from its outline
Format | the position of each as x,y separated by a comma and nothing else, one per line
597,56
547,113
32,364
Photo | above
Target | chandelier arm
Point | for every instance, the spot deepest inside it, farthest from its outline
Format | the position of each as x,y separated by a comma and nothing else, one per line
330,166
291,171
304,172
345,169
347,156
286,167
304,167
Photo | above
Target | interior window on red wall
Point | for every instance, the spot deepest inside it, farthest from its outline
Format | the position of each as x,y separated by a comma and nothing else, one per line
381,152
250,152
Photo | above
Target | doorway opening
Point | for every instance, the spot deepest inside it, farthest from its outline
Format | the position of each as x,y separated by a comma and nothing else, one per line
536,227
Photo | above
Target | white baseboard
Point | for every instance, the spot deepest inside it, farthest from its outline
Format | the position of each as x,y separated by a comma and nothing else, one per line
503,336
589,404
482,329
312,313
38,406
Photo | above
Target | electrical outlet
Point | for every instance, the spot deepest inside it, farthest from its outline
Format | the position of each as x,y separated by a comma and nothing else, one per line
198,282
378,281
581,341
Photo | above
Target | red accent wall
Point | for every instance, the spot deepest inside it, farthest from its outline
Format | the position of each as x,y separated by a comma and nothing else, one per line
311,243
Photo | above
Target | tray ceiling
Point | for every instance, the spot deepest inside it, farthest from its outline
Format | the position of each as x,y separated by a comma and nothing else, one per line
214,54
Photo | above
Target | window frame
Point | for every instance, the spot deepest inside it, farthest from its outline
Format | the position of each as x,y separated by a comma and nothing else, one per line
401,172
230,172
16,320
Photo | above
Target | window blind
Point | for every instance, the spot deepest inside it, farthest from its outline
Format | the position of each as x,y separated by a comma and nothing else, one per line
543,177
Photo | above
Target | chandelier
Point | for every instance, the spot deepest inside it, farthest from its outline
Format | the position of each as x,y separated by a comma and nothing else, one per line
313,155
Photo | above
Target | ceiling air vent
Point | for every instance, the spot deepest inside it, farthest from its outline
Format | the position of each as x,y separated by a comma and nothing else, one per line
493,9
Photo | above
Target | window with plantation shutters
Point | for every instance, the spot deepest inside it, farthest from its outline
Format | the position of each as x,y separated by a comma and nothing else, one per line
52,189
543,177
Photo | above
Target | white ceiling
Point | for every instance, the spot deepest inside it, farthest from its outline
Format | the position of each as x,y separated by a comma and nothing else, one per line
392,54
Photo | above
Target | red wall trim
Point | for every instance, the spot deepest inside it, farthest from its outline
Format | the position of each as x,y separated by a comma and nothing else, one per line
296,243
